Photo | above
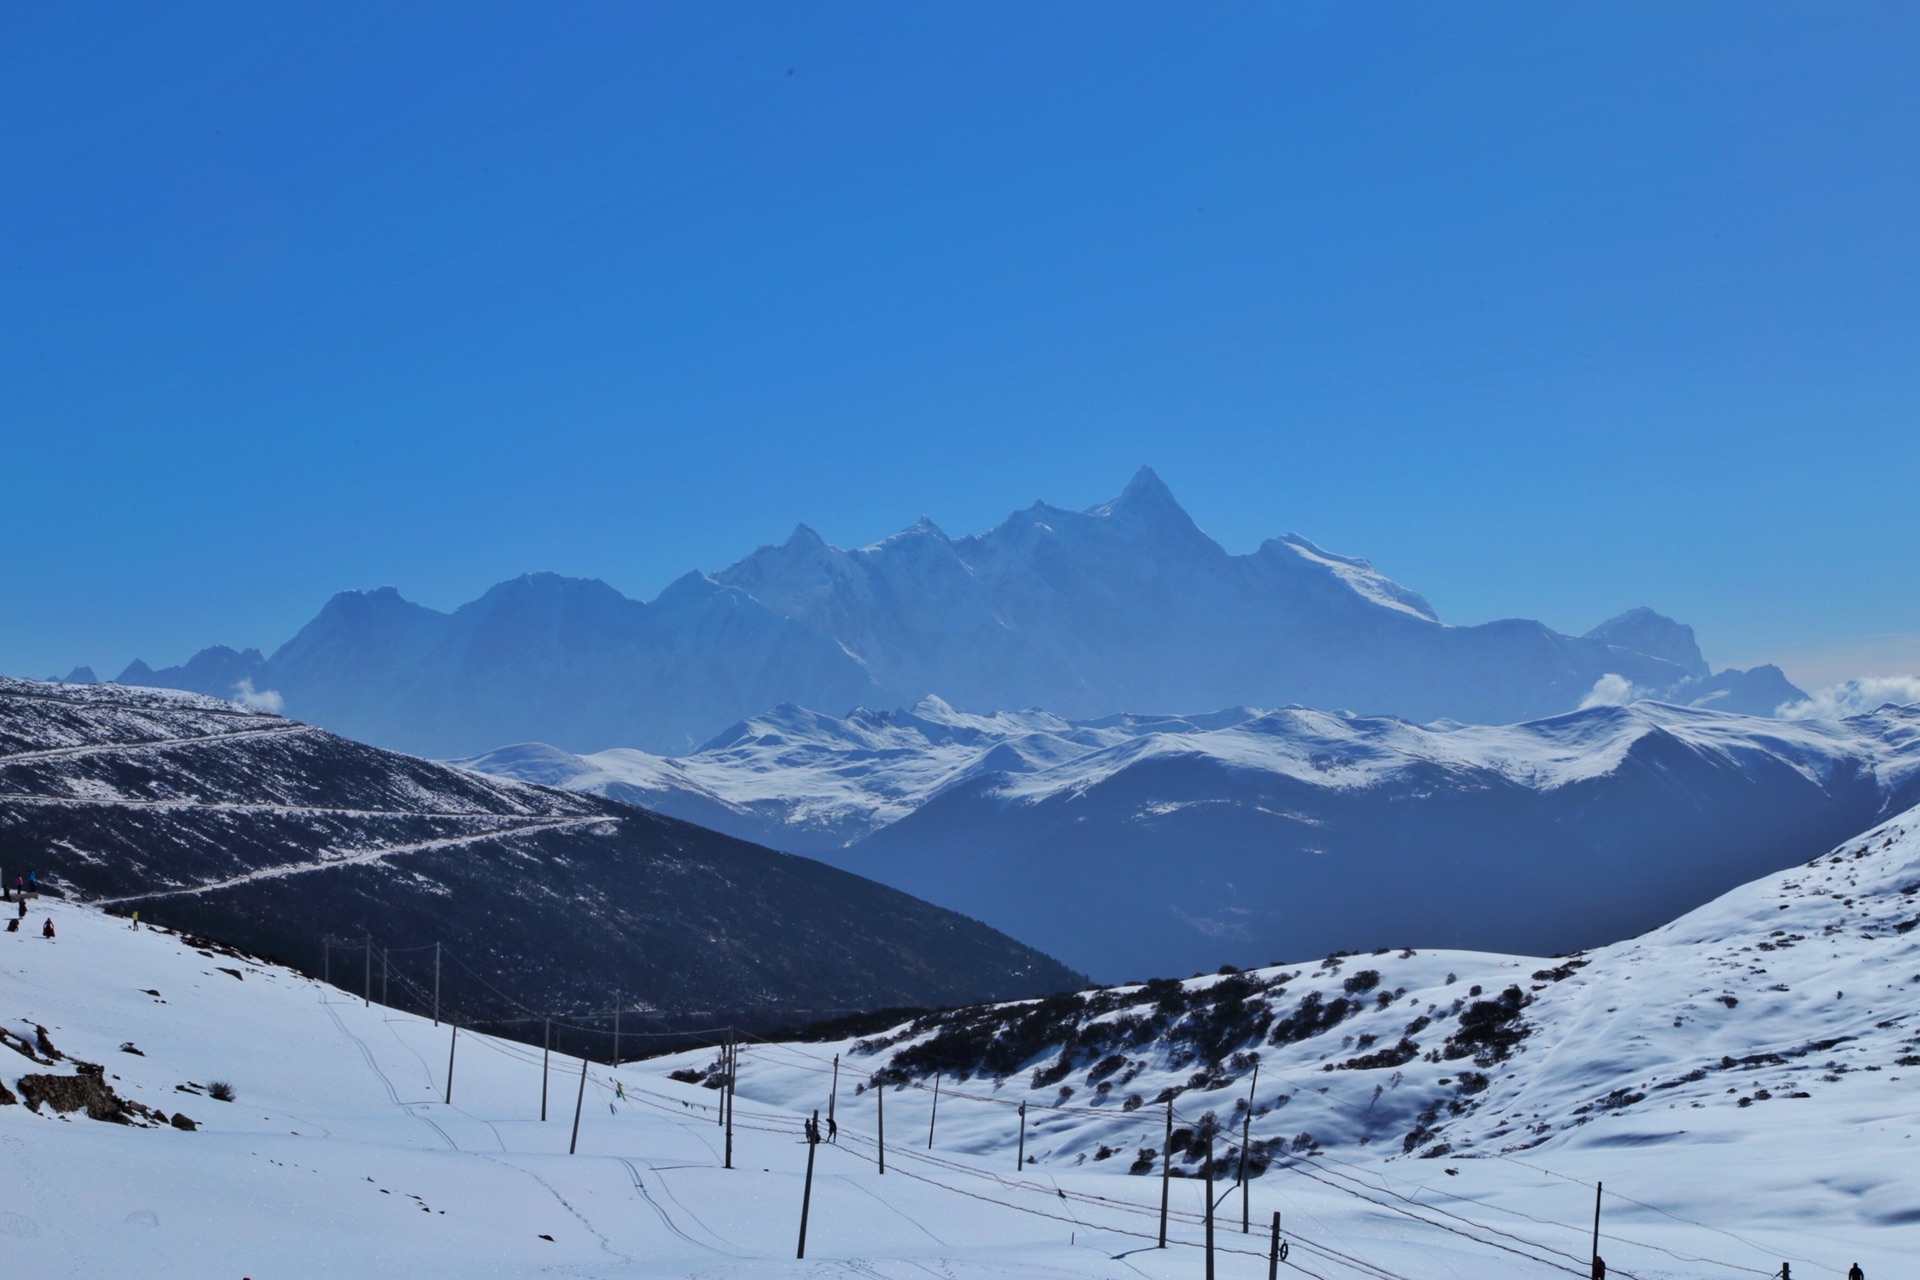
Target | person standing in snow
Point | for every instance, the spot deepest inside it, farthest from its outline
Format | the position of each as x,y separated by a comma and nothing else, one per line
833,1129
1599,1267
1855,1273
46,930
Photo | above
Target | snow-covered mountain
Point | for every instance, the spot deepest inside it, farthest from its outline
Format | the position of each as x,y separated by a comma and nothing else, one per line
1739,1081
1124,607
1760,1040
1140,844
275,835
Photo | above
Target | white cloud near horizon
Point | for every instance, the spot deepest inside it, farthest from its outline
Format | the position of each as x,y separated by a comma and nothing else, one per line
1612,690
1853,697
259,699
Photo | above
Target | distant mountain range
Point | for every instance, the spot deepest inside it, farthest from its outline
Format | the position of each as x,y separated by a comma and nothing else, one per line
1124,607
273,835
1132,846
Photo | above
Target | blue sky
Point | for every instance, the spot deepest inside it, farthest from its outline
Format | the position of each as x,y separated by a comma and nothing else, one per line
1549,309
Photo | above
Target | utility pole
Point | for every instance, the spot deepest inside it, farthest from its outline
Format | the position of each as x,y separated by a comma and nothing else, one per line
733,1071
383,976
1209,1129
934,1114
367,998
574,1144
806,1195
436,984
880,1112
1020,1154
546,1054
616,1033
1246,1131
453,1042
834,1091
326,958
1276,1252
1597,1187
1166,1174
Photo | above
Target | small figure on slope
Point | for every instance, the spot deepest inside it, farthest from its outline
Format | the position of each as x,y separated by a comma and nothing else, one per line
46,930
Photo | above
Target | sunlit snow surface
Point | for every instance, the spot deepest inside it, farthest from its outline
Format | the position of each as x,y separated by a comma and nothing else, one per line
340,1157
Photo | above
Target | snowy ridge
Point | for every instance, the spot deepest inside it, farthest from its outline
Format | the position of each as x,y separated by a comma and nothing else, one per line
1291,827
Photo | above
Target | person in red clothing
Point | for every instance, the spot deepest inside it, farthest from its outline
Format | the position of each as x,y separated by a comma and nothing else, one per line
46,930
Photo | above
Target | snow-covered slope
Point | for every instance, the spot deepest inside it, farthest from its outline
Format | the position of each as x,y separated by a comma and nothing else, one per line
341,1155
1140,844
277,836
1126,606
1761,1050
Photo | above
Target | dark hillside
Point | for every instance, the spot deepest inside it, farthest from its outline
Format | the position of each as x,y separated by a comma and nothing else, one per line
273,835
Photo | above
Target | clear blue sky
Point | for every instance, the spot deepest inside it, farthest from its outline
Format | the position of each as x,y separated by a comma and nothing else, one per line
1551,310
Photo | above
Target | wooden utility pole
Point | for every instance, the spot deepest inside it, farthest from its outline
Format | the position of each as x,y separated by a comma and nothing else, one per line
453,1042
1596,1226
367,996
546,1055
934,1114
1246,1131
616,1033
574,1144
1166,1175
733,1071
834,1091
1275,1251
880,1124
326,959
806,1194
383,977
1020,1153
1209,1175
436,984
